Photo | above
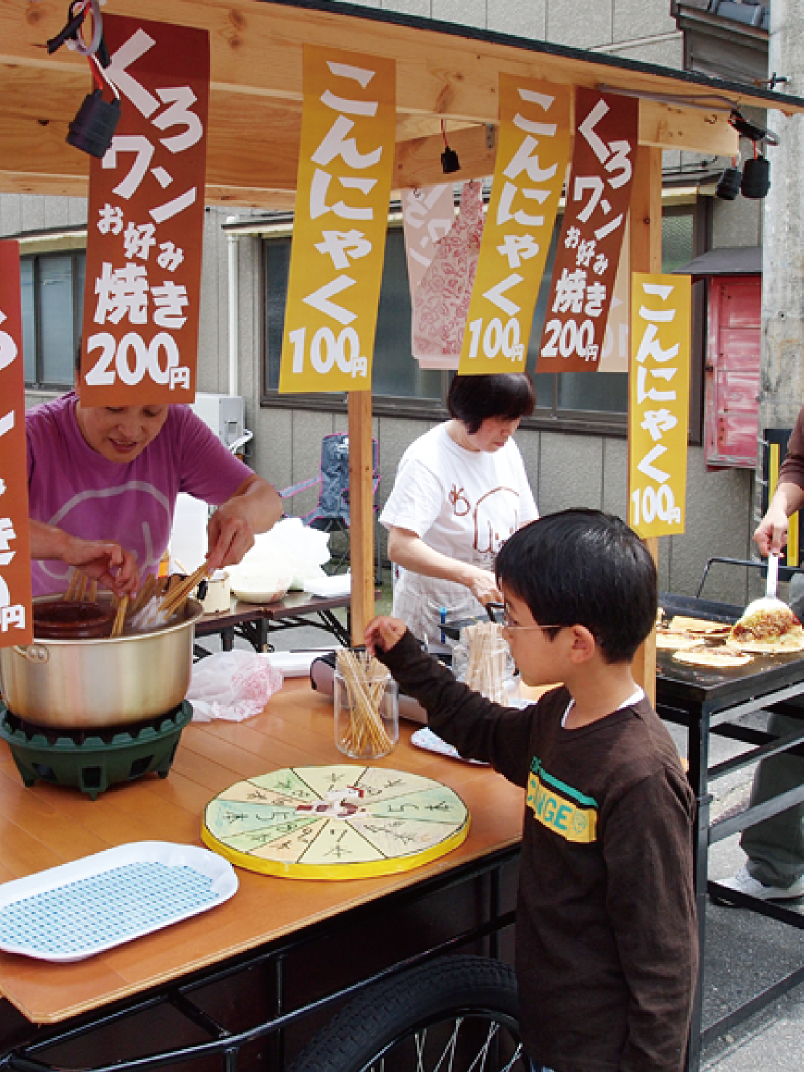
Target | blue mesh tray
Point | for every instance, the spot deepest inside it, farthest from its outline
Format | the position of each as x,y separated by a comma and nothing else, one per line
79,909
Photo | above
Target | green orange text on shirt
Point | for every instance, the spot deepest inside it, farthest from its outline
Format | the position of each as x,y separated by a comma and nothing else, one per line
561,808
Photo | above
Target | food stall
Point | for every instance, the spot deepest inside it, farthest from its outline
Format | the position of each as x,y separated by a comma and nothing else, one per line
271,930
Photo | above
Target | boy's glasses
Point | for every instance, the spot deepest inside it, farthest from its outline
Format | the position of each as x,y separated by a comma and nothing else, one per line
512,626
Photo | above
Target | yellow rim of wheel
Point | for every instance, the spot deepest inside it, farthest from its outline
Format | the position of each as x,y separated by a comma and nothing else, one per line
338,872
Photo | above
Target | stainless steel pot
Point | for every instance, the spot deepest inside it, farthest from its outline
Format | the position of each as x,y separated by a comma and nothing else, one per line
78,684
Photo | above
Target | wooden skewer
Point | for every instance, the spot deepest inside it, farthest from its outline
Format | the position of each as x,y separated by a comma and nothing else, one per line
69,595
81,589
93,591
177,596
145,593
120,616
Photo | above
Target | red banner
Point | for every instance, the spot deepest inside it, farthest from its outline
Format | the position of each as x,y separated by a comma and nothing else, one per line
146,220
15,563
598,195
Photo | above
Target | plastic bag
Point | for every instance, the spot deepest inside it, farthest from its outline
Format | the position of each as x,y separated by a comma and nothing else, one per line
232,685
289,549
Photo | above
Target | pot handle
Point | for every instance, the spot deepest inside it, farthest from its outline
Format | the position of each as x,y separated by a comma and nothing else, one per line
34,653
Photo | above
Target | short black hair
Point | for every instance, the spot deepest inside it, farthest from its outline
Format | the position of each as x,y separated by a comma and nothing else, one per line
508,395
584,567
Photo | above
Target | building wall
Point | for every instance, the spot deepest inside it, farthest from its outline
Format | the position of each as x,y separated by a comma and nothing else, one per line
565,469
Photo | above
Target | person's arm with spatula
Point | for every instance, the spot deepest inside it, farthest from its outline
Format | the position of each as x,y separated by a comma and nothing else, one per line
774,868
771,534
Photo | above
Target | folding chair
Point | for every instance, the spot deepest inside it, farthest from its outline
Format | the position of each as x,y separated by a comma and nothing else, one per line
332,513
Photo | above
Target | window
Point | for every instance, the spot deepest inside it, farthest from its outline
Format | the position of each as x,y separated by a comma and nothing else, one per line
52,304
400,384
395,373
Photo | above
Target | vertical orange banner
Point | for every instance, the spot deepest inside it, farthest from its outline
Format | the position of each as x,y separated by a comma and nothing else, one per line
343,190
534,141
16,622
146,220
598,195
658,404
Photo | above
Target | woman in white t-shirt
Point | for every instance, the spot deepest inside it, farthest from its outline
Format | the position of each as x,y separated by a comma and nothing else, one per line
461,490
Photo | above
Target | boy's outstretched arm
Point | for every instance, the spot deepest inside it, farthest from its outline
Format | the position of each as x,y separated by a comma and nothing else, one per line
462,716
383,633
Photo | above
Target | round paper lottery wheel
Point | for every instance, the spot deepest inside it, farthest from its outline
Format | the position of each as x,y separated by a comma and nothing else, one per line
336,822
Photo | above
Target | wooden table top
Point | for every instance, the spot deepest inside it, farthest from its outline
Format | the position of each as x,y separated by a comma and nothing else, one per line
45,825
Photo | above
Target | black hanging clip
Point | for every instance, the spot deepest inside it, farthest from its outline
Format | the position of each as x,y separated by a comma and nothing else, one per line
95,122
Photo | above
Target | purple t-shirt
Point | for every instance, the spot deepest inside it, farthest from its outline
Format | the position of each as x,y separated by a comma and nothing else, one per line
76,489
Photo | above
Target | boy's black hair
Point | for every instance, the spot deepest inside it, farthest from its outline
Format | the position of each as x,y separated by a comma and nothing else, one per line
472,399
584,567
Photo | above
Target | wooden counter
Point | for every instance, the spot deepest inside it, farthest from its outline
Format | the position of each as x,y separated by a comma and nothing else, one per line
46,825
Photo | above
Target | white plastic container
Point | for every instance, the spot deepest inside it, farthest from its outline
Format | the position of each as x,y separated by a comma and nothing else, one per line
219,593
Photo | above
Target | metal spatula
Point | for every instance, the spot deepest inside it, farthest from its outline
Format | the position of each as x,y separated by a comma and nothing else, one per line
769,601
773,576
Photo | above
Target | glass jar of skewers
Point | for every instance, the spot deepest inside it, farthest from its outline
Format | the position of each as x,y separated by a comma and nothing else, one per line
483,661
366,706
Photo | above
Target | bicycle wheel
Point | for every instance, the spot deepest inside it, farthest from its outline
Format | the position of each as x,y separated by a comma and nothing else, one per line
457,1013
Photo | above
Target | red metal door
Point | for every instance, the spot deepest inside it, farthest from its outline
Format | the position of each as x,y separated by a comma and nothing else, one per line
731,395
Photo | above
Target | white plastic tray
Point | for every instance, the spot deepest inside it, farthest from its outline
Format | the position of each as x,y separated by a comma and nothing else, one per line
332,587
79,909
431,742
297,663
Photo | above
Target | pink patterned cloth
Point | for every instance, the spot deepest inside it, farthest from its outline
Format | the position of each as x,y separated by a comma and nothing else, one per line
441,302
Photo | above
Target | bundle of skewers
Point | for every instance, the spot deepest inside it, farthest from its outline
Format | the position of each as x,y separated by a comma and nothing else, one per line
81,589
158,600
488,660
361,731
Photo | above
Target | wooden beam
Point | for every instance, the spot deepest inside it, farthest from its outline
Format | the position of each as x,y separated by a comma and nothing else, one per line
257,197
256,91
361,508
253,151
257,46
666,126
257,49
646,256
418,162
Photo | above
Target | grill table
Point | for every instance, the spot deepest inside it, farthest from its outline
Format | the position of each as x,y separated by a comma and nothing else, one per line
261,962
709,701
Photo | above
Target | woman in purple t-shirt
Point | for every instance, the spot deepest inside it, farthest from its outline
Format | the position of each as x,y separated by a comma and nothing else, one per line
103,482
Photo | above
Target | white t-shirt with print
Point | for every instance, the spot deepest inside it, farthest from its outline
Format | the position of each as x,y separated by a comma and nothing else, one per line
462,503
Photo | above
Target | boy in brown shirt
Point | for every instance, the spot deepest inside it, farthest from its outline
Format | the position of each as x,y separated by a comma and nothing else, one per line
606,938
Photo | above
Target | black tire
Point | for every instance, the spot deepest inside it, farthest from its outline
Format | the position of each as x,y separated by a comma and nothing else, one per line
463,1007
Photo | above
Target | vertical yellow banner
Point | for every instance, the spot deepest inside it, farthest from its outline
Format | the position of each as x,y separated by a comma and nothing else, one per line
532,155
344,186
658,403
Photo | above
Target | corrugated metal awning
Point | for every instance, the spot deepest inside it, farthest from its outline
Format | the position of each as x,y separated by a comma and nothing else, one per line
729,260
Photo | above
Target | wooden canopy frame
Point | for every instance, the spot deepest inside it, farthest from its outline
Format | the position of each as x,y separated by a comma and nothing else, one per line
444,73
